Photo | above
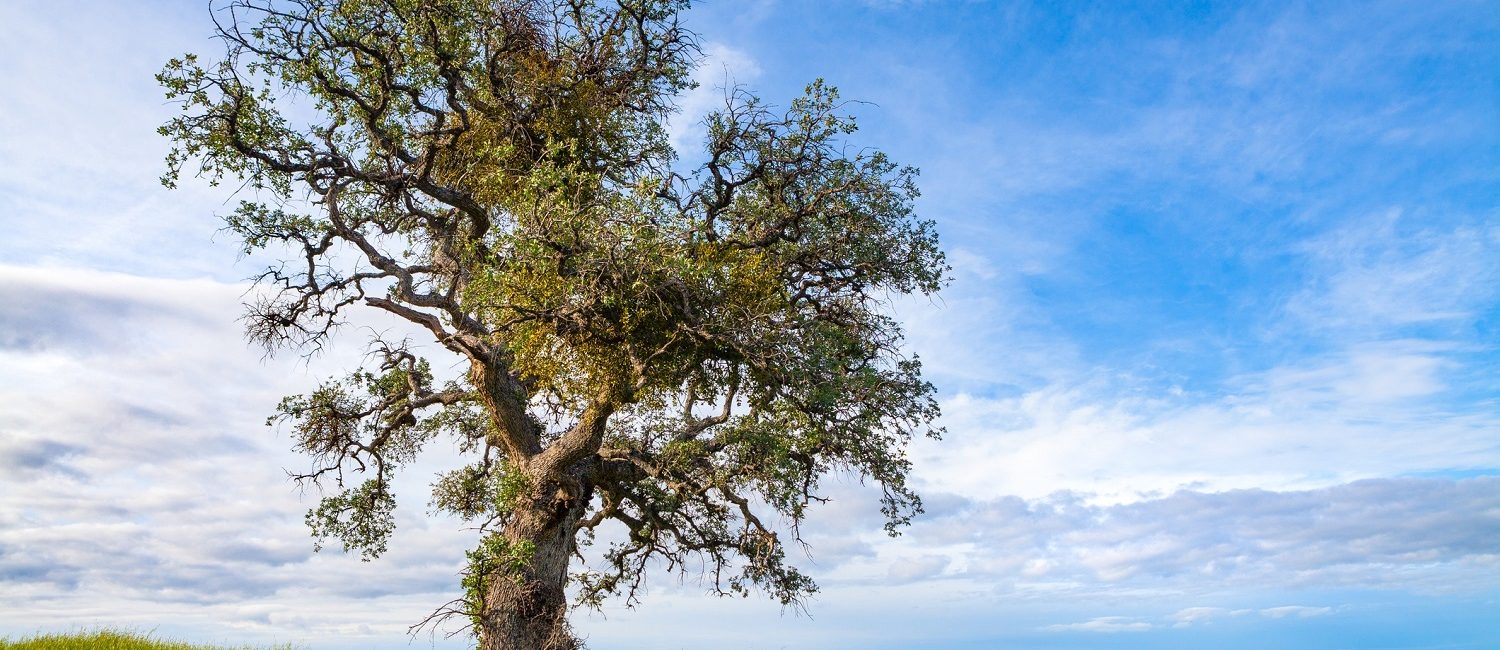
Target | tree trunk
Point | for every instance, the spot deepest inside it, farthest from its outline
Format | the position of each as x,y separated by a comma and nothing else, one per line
527,608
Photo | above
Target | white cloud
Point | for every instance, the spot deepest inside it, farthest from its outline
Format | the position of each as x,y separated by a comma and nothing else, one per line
922,567
1364,375
1390,271
1378,409
1103,624
1295,611
1190,616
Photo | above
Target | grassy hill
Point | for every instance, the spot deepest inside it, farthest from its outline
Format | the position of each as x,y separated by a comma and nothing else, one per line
112,640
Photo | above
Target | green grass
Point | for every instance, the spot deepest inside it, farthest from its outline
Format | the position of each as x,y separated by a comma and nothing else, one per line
113,640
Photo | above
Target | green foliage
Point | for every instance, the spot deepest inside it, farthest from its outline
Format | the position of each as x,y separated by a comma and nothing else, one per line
361,517
112,639
466,492
492,489
371,420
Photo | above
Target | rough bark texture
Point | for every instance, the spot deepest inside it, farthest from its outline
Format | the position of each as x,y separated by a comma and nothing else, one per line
528,610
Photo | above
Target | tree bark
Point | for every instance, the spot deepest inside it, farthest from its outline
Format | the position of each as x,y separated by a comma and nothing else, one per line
527,609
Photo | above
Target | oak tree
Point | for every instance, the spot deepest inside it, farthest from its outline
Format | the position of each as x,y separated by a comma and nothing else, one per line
682,350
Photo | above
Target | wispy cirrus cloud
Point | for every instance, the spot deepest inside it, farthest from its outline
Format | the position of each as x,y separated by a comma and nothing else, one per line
1393,272
721,70
1186,618
1104,624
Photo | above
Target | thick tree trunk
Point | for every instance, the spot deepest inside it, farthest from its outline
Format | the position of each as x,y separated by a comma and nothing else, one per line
527,609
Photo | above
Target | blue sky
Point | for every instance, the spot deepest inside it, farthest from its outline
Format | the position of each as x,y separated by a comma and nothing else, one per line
1218,364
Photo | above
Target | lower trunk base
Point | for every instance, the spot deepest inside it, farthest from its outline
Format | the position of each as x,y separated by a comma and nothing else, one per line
527,616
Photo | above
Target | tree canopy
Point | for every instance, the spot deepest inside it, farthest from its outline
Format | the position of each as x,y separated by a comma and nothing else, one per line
681,349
